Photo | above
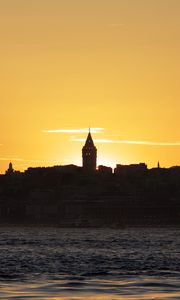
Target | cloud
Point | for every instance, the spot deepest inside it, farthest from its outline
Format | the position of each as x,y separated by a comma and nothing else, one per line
148,143
78,130
11,159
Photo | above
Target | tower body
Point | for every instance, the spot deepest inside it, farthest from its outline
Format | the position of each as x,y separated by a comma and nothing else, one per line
89,154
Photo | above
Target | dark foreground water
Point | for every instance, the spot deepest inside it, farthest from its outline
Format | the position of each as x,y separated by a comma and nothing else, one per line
48,263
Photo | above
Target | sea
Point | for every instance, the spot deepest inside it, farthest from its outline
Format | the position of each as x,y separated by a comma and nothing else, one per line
59,263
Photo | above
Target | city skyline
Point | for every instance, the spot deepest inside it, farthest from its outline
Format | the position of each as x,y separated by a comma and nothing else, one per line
111,65
100,161
89,152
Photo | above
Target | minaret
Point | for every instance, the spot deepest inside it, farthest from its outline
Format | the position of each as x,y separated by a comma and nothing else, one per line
10,170
89,154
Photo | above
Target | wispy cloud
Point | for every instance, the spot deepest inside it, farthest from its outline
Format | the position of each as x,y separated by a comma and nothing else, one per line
76,130
148,143
17,159
24,163
11,159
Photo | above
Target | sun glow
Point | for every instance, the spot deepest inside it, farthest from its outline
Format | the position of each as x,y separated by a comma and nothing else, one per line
75,64
106,161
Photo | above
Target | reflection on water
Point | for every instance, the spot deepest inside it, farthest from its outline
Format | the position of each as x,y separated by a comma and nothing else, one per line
140,288
89,264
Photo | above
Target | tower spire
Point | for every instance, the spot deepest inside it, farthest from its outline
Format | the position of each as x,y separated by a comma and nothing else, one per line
89,154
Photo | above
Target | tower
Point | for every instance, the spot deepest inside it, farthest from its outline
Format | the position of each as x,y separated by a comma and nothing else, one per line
10,170
89,154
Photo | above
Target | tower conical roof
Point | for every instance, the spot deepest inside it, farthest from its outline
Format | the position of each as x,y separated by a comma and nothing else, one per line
89,141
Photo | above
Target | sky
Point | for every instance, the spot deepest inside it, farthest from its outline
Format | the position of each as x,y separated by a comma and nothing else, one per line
67,65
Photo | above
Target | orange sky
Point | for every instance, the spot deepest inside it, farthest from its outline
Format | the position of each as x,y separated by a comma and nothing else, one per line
71,64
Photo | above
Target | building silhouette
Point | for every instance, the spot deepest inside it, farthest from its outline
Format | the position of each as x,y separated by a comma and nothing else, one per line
89,154
133,169
10,170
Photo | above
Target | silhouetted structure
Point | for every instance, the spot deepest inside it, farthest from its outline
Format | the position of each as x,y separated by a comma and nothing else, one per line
72,196
104,169
10,170
89,154
66,196
131,169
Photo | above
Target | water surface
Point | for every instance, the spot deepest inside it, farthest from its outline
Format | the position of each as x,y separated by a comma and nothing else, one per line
49,263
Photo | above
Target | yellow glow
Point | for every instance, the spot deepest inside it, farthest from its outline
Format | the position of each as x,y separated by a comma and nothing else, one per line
73,64
106,161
